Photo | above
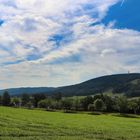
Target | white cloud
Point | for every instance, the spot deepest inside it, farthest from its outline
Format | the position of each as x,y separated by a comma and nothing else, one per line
89,52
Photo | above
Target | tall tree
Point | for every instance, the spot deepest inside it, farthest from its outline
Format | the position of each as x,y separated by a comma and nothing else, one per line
123,104
0,100
37,98
6,99
86,101
25,99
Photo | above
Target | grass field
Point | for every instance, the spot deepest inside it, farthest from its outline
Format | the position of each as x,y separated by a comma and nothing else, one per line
22,124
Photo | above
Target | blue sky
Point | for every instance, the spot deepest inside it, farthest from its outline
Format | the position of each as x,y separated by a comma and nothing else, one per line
125,16
63,42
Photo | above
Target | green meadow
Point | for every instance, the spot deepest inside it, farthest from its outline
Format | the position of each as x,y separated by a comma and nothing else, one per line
23,124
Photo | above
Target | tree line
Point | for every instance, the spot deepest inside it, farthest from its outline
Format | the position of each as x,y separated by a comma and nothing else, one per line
99,102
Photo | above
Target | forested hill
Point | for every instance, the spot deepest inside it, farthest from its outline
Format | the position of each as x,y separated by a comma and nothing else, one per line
128,84
121,83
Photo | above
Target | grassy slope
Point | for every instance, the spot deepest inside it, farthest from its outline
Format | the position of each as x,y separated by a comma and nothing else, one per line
22,124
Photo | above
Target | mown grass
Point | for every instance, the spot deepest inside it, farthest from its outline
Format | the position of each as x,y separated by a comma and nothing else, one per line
22,124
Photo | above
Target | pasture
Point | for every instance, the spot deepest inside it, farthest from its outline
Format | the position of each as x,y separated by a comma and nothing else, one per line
23,124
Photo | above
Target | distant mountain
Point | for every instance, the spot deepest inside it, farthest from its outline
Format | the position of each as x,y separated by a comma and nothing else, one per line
128,84
28,90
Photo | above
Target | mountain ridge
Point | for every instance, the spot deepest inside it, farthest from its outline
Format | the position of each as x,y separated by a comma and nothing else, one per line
117,83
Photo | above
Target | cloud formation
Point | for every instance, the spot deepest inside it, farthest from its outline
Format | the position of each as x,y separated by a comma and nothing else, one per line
52,43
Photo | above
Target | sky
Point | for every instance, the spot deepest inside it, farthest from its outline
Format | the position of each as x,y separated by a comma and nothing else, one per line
52,43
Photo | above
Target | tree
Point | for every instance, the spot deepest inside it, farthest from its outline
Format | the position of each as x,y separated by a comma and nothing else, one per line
66,103
6,99
55,104
99,105
37,98
49,104
108,100
98,96
42,104
46,103
25,99
16,101
132,105
0,100
122,104
86,101
91,107
29,105
76,104
138,103
57,96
